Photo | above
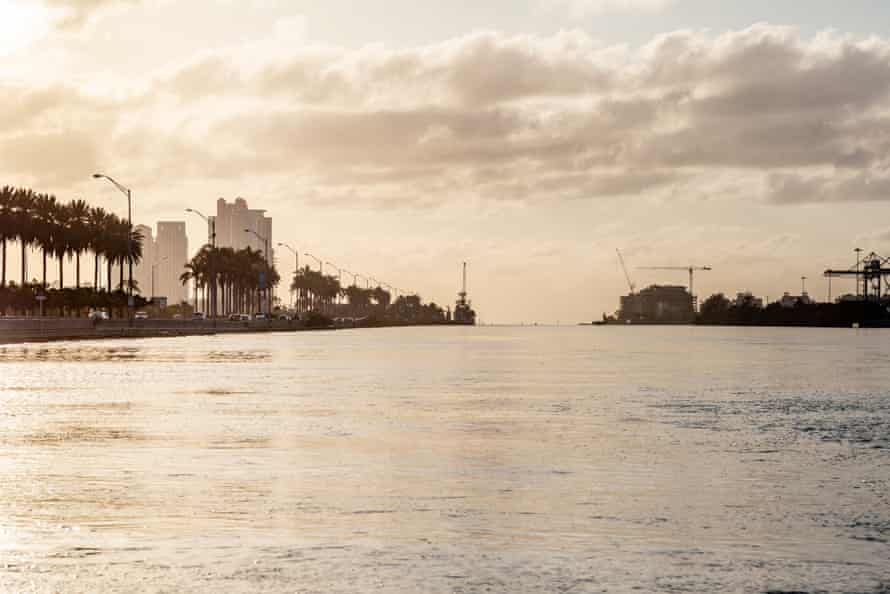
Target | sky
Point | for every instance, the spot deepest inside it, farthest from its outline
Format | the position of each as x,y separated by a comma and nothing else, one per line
400,138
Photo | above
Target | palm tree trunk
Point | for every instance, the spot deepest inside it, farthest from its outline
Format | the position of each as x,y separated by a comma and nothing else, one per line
108,263
122,275
77,268
96,272
3,281
24,263
44,270
61,272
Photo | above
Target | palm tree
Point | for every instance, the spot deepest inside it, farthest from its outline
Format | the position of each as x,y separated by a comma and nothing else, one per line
62,230
134,255
61,243
45,231
96,222
79,233
7,226
25,225
382,297
236,273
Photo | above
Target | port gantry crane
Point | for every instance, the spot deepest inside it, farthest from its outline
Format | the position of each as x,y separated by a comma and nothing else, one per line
690,269
872,275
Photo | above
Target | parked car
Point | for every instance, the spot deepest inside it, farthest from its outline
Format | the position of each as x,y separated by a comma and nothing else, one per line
199,315
177,316
140,315
260,316
98,314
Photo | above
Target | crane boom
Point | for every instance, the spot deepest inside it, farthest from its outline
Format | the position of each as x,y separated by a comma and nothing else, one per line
626,275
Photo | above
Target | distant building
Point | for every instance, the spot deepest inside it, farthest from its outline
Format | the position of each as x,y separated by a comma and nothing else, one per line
790,301
142,271
747,299
231,221
171,256
658,303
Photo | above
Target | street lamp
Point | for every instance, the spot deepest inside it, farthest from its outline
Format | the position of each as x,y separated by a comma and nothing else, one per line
265,241
296,263
154,267
320,263
295,253
211,238
129,194
339,276
354,277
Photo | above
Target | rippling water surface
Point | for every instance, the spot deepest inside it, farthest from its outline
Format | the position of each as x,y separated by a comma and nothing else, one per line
449,460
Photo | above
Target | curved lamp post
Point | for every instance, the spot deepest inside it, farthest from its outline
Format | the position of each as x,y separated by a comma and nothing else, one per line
265,241
211,238
339,276
129,194
296,264
320,263
154,267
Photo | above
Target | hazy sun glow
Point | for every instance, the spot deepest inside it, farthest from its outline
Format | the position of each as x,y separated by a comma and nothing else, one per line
21,24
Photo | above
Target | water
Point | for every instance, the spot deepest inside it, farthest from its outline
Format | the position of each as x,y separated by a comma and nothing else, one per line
449,460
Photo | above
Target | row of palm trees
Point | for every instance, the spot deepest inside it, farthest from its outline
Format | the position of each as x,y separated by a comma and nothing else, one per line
64,231
238,288
320,292
241,278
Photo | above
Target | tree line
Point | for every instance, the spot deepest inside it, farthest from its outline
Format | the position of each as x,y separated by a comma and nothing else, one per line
239,280
236,280
61,231
718,310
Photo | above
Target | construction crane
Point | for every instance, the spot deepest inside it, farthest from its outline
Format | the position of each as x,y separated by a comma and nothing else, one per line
690,269
633,287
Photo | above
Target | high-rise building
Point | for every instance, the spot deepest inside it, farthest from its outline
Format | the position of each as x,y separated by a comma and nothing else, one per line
142,270
171,256
231,221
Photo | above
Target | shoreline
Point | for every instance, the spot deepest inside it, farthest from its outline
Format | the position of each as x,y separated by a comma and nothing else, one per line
871,324
43,330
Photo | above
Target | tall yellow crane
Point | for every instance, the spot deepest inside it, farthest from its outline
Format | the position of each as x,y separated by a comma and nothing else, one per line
690,269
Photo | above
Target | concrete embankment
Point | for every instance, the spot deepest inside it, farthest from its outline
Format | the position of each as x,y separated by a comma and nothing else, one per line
14,330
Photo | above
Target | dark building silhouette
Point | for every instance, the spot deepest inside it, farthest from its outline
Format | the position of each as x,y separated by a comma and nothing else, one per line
658,303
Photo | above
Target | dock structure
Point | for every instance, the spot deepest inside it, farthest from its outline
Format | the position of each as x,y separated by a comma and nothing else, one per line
872,275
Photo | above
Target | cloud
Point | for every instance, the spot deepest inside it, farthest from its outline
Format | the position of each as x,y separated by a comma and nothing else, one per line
489,116
74,14
582,8
794,188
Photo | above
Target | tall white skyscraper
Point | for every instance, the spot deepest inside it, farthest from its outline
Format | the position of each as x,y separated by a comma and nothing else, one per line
171,256
231,221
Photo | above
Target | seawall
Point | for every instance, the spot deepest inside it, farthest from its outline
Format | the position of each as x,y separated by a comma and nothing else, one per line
17,330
